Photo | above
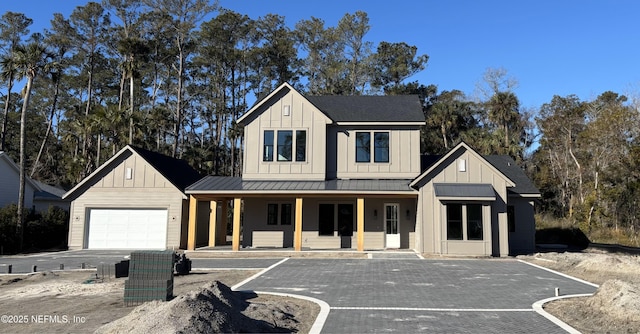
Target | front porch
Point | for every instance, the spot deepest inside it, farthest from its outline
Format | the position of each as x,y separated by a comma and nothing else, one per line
302,222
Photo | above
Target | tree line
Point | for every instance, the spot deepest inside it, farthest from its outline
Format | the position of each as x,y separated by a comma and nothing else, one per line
173,76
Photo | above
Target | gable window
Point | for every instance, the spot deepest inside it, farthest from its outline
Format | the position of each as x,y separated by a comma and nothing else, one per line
464,222
381,147
363,147
285,145
301,145
267,151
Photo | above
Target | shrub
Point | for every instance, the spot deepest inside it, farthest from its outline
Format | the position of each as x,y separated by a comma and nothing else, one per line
42,231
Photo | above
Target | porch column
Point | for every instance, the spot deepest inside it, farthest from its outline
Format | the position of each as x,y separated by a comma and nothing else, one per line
503,238
213,222
360,222
235,243
222,227
297,232
191,229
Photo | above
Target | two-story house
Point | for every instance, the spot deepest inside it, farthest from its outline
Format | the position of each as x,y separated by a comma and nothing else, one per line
330,172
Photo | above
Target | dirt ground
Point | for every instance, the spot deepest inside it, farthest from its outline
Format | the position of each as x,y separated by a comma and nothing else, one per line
73,301
615,307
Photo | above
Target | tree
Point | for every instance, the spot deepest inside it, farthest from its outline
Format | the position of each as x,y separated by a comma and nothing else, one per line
352,29
503,110
395,62
450,115
29,60
13,27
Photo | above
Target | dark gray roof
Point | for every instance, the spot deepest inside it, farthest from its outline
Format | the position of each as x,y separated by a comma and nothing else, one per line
177,171
467,190
510,169
390,108
217,184
48,191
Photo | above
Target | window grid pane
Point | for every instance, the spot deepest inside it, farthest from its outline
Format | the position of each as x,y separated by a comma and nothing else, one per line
381,150
285,214
267,154
301,145
363,147
272,214
454,222
285,145
474,222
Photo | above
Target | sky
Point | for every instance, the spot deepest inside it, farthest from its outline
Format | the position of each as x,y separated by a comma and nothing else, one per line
550,47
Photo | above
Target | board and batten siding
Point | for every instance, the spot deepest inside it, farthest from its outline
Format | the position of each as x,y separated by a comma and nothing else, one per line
433,213
146,189
302,116
404,154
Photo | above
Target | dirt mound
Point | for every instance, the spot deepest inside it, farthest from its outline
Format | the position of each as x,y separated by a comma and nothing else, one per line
617,299
213,309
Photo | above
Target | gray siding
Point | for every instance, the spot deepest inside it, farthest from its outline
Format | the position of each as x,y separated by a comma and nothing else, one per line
522,241
10,185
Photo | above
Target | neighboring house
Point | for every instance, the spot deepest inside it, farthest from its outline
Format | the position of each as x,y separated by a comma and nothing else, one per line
135,200
328,172
37,195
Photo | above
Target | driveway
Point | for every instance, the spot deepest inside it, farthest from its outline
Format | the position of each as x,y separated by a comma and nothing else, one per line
402,295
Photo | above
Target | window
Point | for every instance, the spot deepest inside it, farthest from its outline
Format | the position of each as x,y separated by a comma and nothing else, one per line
381,147
326,220
301,145
469,216
454,222
267,154
285,214
511,218
272,214
474,221
285,143
363,147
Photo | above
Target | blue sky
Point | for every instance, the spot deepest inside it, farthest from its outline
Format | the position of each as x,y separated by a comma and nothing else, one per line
551,47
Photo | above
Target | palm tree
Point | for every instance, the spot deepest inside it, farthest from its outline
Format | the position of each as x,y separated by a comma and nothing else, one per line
503,111
29,60
8,74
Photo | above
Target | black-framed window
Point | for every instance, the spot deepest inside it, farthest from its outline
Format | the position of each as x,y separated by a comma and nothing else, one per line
474,222
285,145
301,145
363,147
267,151
511,218
272,214
381,147
285,214
454,222
326,219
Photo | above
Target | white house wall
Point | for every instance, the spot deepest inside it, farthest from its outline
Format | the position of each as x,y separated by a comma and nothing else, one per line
302,116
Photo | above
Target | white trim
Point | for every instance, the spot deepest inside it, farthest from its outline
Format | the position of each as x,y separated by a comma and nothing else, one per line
316,328
435,309
235,287
538,308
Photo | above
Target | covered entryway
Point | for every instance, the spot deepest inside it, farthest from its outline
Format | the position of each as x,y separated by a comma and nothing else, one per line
392,225
127,229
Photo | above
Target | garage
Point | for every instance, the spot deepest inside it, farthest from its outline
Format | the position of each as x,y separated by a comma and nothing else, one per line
127,229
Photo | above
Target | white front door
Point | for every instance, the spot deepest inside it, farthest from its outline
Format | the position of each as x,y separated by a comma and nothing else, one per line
392,223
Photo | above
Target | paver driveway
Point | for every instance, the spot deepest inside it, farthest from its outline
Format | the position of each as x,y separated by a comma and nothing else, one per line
407,296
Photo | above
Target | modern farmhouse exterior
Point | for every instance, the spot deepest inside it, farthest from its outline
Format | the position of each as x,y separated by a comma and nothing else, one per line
329,172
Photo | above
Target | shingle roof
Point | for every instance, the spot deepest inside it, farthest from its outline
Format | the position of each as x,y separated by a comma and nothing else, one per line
510,169
213,184
391,108
177,171
48,191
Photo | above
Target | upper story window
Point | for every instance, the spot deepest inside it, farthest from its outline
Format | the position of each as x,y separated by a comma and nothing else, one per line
380,146
287,146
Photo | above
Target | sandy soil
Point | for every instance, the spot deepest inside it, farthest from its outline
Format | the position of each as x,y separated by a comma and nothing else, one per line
73,301
615,307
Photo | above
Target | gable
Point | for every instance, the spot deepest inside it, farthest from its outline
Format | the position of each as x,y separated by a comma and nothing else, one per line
462,165
129,169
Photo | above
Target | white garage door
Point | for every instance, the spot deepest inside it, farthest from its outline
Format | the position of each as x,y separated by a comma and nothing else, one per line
127,229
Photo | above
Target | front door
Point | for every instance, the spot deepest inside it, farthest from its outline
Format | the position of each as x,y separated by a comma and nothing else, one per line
345,224
392,224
